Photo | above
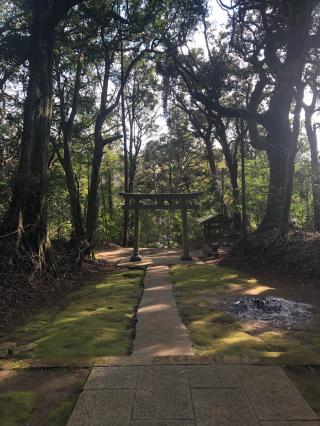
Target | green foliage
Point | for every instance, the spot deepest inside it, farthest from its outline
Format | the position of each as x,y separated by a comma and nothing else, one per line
164,157
257,177
58,202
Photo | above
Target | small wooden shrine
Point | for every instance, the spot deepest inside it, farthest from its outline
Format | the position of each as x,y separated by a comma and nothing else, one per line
216,229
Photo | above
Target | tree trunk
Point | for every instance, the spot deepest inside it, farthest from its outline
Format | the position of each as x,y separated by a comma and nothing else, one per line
67,125
315,171
125,161
28,207
13,219
109,190
236,214
232,166
281,138
93,197
291,158
104,209
212,167
278,151
73,190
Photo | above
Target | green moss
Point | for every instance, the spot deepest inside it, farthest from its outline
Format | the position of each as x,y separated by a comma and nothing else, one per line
60,416
95,321
215,333
211,280
16,407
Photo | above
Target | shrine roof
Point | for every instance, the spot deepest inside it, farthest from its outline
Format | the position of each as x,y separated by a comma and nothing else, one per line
213,217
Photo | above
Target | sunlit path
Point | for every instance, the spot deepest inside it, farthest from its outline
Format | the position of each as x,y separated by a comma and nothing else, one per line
160,331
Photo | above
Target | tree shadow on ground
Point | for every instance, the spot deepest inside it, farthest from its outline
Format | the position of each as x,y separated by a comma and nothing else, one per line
96,320
201,292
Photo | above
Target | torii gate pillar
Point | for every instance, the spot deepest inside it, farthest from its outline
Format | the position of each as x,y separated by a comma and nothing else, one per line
136,235
185,236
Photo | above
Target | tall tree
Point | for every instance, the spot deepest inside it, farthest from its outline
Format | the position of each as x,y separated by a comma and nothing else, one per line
273,39
138,123
311,126
27,213
67,121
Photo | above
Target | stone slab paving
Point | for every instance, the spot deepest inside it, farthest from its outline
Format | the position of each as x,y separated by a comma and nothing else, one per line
272,394
191,395
160,331
163,393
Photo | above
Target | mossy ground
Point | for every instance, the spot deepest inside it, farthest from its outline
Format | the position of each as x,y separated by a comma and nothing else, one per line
39,396
60,416
16,407
96,320
214,333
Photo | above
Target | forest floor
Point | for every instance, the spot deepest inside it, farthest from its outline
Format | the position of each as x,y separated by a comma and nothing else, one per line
204,291
39,397
296,254
95,320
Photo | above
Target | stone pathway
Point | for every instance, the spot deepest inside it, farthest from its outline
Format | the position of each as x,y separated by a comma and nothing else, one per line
142,391
160,331
190,395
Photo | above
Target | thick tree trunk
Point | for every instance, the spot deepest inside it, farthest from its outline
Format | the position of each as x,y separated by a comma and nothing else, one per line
315,169
67,124
28,207
236,214
280,143
279,139
212,167
232,166
13,218
280,150
93,197
291,158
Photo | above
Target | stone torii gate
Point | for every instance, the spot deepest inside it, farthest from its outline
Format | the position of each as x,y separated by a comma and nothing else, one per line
160,201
